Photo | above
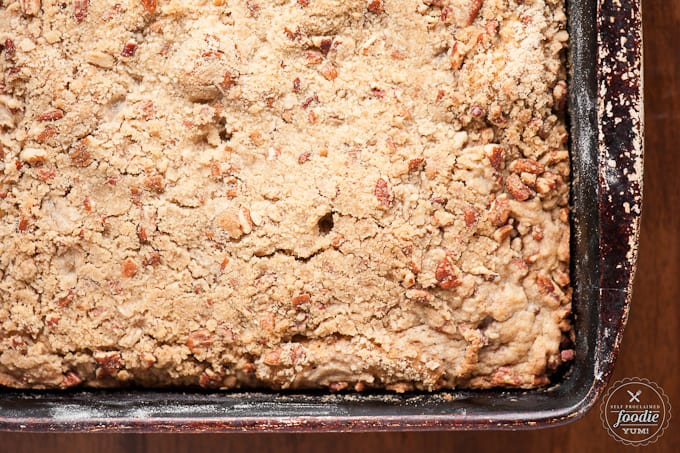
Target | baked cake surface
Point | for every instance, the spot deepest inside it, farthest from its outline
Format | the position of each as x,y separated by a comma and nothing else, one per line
288,193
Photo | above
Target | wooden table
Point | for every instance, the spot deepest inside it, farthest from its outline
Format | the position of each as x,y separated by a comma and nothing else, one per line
650,348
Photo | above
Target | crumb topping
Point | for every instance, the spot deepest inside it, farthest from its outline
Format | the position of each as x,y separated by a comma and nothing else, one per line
347,194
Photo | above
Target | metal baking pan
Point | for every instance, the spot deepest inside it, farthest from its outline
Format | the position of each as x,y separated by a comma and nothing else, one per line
605,112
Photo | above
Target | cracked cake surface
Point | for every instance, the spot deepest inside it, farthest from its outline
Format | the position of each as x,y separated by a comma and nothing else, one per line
346,194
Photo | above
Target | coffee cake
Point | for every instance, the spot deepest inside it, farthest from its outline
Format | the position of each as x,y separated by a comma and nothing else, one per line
345,194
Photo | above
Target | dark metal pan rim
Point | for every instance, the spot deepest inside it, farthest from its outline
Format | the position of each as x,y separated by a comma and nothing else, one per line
605,111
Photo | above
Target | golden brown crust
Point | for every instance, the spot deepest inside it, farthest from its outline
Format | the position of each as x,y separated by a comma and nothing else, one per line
348,194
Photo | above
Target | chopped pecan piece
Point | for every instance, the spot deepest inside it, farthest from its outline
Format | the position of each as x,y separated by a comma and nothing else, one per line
65,300
528,179
301,299
548,181
199,339
382,192
51,115
496,155
304,157
147,359
129,268
561,278
457,55
526,166
70,379
505,376
152,259
567,355
391,146
325,45
446,274
10,49
228,81
475,7
491,27
273,358
445,14
499,213
253,7
557,156
150,5
109,362
313,57
209,379
245,220
309,100
517,189
52,321
33,156
520,264
415,164
400,387
537,233
502,233
329,71
229,221
215,169
545,284
470,216
129,49
564,215
398,54
337,386
141,234
563,251
155,183
80,156
46,174
376,7
256,138
80,9
49,131
292,35
378,93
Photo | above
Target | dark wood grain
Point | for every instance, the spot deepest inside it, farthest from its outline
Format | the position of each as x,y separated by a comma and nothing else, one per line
650,347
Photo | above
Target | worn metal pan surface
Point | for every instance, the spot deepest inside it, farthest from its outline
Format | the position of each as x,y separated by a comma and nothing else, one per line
605,112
